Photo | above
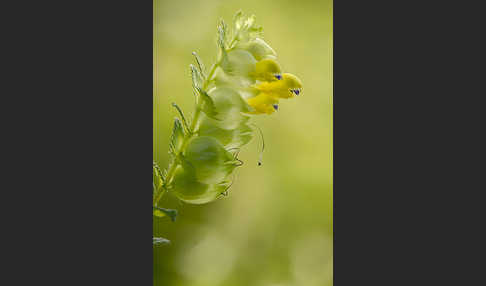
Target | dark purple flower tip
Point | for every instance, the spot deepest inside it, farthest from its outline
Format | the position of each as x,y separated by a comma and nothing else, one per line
279,77
296,91
275,106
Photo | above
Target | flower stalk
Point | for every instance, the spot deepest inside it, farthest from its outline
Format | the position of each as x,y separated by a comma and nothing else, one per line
246,80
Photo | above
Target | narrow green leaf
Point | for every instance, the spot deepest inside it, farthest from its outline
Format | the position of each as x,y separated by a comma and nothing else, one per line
208,106
200,65
238,20
160,241
162,212
196,77
157,177
222,33
186,126
177,137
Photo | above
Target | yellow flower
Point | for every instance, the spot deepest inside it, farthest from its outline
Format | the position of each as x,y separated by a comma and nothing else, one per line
263,103
270,92
267,70
288,86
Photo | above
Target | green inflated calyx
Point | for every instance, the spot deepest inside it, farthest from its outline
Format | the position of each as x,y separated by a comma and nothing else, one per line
239,63
212,162
230,127
258,48
189,189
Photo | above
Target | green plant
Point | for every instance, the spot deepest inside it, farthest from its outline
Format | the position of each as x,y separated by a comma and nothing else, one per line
246,80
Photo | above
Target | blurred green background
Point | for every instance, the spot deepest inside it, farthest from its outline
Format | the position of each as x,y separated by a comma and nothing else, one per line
275,227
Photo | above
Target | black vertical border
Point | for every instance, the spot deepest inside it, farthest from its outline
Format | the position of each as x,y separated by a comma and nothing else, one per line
409,146
78,92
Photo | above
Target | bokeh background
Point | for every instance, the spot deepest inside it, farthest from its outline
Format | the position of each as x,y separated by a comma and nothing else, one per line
275,227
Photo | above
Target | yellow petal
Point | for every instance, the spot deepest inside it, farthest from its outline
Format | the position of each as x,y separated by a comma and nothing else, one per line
263,103
267,69
288,86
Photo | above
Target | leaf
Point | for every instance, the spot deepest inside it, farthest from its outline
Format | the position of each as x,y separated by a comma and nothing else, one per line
177,137
182,116
162,212
157,177
160,240
196,77
238,20
200,65
208,106
222,33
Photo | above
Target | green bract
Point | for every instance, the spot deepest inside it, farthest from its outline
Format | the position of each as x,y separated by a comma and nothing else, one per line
246,79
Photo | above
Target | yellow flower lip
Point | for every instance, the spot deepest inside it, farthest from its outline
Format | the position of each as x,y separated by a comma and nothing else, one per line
296,91
267,70
292,81
286,86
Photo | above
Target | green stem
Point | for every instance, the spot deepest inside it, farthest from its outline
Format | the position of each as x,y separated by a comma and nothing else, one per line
187,137
160,192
